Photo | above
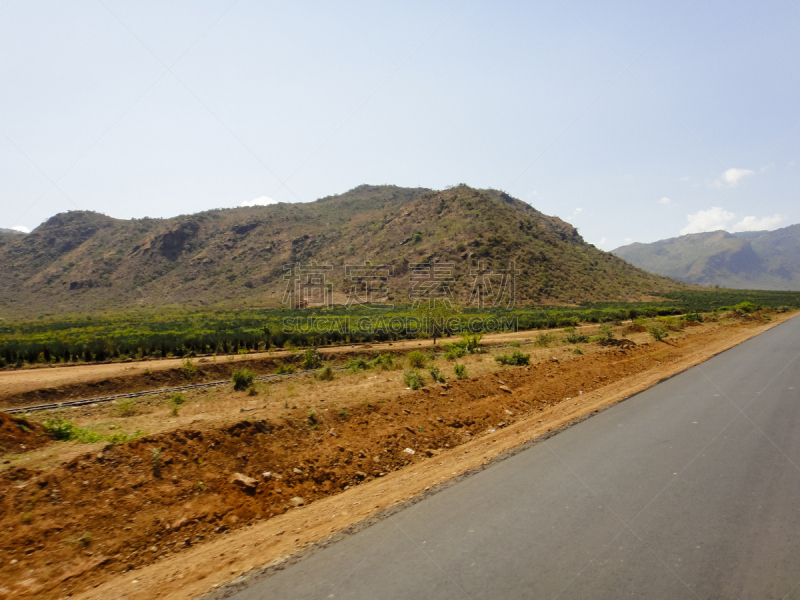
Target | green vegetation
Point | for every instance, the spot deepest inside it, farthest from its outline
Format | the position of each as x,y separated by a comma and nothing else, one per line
460,371
312,359
658,332
573,337
417,359
175,401
126,407
66,431
325,373
516,358
437,375
285,368
413,380
243,379
119,336
354,365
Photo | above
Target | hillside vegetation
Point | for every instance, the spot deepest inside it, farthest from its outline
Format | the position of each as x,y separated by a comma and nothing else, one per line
766,260
84,261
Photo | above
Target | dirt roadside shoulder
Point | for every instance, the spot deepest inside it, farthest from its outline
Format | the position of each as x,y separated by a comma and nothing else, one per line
223,565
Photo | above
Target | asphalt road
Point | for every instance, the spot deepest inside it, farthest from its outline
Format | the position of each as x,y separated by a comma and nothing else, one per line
688,490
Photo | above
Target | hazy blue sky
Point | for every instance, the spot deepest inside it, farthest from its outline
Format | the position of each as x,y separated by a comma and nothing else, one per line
623,118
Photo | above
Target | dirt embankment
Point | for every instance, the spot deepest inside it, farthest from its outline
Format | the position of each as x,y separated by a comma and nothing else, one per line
129,506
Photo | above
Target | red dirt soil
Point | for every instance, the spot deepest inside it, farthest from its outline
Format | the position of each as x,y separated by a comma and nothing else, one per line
17,434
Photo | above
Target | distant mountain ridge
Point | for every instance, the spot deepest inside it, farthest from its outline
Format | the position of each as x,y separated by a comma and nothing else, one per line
84,261
767,260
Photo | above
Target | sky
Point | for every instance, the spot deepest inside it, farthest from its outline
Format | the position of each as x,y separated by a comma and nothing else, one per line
633,121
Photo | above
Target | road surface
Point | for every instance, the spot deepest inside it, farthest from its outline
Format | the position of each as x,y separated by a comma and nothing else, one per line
688,490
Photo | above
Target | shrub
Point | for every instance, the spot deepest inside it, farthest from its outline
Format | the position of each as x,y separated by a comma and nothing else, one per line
284,368
60,429
516,358
543,340
126,407
325,373
383,361
312,359
354,365
454,351
658,332
436,374
189,369
175,401
577,351
460,371
606,331
66,431
243,379
413,380
417,359
573,337
515,344
693,316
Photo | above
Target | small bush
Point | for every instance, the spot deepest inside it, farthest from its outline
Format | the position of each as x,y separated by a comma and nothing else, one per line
577,351
607,331
516,358
658,332
60,429
454,351
413,380
121,438
543,340
325,374
515,344
285,368
66,431
384,362
312,359
436,375
175,401
189,369
126,407
573,337
460,371
243,379
354,365
417,359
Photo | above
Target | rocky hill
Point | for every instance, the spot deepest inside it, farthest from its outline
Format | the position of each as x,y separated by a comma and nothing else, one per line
79,261
766,260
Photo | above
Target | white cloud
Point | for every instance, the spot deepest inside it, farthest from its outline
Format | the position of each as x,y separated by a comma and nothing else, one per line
576,213
791,164
602,241
628,240
21,229
713,219
685,178
665,201
732,177
716,218
260,201
756,224
766,168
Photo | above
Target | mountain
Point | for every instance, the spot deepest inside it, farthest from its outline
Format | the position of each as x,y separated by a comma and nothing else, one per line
766,260
11,231
234,257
